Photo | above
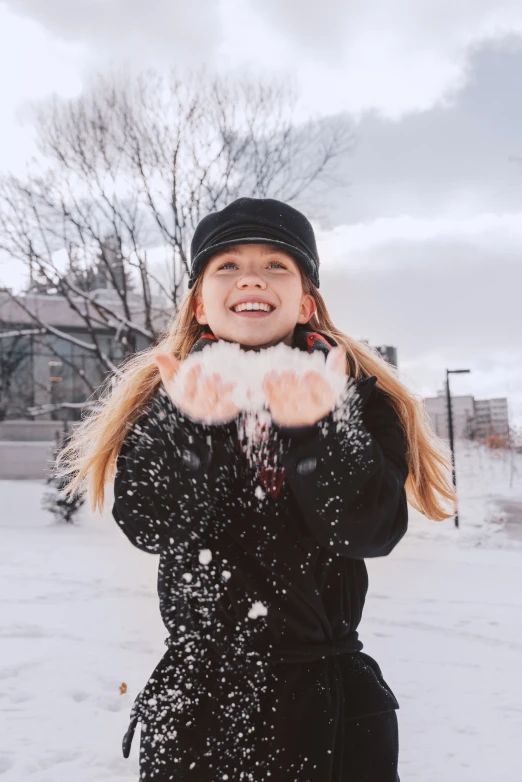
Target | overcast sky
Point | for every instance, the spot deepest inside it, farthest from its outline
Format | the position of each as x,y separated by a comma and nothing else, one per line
423,249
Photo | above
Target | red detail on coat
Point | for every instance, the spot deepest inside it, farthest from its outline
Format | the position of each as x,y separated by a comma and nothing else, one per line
312,338
261,434
209,336
272,479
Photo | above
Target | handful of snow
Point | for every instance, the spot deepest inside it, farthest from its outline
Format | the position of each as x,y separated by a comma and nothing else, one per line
246,369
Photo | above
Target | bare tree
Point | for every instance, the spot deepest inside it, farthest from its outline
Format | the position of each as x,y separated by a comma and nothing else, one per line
133,165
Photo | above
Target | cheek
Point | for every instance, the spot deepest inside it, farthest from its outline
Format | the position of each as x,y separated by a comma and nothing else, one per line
214,296
290,295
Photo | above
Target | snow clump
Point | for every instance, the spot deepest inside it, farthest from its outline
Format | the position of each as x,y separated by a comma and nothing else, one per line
247,370
258,609
205,556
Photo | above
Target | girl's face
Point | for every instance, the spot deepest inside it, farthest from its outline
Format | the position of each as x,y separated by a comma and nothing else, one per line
268,279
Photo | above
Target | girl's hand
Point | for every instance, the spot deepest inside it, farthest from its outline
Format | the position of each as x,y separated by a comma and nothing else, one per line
206,399
302,401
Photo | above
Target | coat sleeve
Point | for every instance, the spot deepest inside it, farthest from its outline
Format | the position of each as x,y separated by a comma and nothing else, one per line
348,473
170,472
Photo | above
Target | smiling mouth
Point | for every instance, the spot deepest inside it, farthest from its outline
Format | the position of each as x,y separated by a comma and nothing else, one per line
253,310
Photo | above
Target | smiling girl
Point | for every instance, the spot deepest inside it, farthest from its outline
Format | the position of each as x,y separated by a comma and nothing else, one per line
262,579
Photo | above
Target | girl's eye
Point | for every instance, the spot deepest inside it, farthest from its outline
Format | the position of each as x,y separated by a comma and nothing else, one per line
228,263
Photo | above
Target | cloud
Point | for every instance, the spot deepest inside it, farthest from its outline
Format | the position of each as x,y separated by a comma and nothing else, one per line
453,162
485,233
139,32
432,296
428,284
29,78
364,55
396,58
444,302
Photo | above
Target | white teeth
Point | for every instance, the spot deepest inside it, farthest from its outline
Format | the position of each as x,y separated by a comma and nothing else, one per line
253,305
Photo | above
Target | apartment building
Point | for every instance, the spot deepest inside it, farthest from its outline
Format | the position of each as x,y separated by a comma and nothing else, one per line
472,418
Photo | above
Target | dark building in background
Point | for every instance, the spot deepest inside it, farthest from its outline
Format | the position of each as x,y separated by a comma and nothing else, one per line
38,369
388,352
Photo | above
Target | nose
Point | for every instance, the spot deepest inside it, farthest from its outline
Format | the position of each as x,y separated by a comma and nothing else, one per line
251,280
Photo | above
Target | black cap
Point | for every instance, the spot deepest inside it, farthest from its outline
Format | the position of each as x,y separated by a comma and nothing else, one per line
255,221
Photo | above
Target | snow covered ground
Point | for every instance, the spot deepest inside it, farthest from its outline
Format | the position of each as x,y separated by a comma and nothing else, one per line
444,619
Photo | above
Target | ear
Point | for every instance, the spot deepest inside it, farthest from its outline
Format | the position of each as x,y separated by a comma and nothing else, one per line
199,312
307,309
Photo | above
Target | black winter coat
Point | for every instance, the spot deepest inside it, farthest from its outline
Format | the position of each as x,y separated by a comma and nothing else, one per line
262,584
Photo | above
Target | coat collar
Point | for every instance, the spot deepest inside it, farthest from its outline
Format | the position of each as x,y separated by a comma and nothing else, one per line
304,339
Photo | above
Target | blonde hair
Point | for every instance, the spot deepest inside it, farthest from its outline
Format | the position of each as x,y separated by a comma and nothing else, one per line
89,458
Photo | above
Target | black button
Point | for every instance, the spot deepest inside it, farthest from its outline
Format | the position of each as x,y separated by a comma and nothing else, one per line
307,466
191,459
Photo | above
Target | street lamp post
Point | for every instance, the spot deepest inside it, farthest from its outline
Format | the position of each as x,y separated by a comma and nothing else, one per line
450,429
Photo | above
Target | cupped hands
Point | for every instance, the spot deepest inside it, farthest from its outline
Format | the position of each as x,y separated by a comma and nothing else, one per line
293,399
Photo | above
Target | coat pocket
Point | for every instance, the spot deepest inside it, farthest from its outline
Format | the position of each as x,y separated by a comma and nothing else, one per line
389,698
367,692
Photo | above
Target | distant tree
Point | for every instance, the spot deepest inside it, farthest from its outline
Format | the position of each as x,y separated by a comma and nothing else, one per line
133,164
64,509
